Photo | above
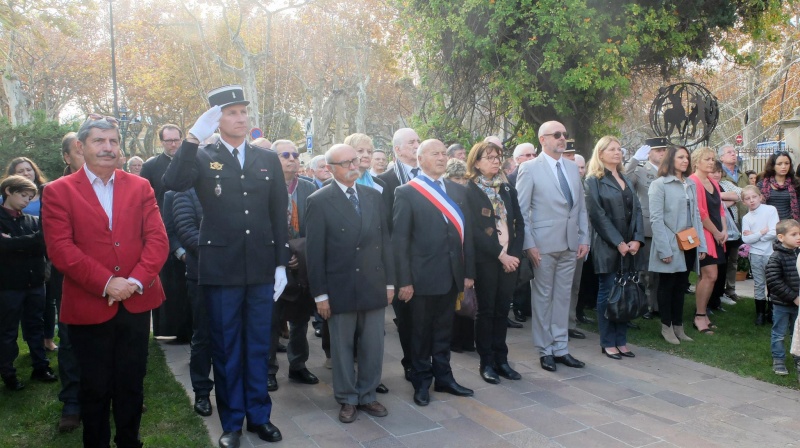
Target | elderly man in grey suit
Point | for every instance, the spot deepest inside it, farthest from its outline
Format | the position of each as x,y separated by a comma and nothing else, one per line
352,279
551,200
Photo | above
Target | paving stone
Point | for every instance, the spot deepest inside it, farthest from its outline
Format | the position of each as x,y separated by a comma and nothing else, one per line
544,421
602,388
405,419
503,399
485,416
529,438
585,415
589,438
677,399
626,434
334,440
364,429
386,442
549,399
655,407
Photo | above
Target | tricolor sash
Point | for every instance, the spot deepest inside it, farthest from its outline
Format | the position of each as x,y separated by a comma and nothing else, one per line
432,192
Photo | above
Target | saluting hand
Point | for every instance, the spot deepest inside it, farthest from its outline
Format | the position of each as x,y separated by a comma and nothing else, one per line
205,126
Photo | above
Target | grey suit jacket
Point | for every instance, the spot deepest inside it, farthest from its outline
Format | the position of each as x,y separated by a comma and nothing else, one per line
668,217
641,175
550,225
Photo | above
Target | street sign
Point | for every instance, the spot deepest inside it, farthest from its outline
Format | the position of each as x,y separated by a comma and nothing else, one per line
309,143
256,133
739,139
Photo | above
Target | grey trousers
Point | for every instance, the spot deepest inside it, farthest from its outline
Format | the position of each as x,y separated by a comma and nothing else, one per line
576,288
730,272
550,302
351,386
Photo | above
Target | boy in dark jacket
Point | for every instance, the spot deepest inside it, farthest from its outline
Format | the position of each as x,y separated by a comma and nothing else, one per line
783,283
22,294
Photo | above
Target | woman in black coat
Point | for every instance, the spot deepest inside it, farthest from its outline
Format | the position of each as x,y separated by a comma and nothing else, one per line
498,231
616,219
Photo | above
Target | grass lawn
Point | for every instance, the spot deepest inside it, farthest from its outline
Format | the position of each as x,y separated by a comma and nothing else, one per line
29,417
737,345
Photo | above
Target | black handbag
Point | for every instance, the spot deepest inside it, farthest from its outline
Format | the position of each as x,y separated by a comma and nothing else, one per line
627,300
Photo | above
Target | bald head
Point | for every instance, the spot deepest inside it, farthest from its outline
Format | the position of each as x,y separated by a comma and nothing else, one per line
343,163
551,145
432,158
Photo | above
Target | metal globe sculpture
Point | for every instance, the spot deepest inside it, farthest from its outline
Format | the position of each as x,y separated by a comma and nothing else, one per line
685,113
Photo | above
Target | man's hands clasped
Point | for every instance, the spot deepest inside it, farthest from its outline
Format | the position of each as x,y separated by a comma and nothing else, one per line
120,289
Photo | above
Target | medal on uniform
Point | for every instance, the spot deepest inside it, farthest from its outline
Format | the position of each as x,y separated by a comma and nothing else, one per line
218,188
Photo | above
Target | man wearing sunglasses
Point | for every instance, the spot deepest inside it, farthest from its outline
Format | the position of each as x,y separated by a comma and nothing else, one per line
551,200
242,258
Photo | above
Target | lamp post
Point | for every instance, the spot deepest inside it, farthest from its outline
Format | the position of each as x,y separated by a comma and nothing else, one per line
123,126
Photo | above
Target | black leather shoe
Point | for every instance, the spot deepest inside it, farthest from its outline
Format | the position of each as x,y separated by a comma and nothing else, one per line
267,431
272,383
585,320
575,334
381,389
548,363
422,397
13,383
230,439
507,372
318,332
512,324
281,348
519,316
610,355
454,389
303,376
569,361
408,373
633,326
489,375
202,405
44,374
628,354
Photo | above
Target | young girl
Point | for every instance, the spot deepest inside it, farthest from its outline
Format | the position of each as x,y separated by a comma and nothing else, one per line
758,230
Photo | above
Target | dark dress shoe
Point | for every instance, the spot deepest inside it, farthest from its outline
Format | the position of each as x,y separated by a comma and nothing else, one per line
347,414
281,348
303,376
628,354
489,375
507,372
44,374
585,320
382,389
548,363
453,389
422,397
511,324
610,355
408,373
13,383
569,361
318,332
272,383
519,316
230,439
575,334
69,422
633,326
267,431
202,405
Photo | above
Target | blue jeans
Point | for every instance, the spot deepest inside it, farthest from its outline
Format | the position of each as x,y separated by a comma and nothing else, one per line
783,318
758,265
612,334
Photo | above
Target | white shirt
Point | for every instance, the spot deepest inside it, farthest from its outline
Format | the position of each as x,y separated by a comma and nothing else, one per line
552,162
240,157
755,220
105,194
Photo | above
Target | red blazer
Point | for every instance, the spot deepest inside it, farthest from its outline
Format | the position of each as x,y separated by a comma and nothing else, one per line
82,247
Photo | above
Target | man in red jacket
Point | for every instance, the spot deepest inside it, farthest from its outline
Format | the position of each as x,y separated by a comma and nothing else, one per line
103,231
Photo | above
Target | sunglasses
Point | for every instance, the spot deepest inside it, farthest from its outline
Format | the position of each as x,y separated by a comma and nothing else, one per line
286,154
558,135
95,117
346,163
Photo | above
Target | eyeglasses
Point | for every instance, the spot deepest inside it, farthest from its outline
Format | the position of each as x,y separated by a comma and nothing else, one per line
558,135
286,154
491,159
172,141
346,163
528,156
95,117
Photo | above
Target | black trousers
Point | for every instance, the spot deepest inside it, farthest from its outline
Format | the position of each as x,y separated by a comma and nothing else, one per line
200,355
176,311
671,291
402,312
431,330
113,362
26,307
494,288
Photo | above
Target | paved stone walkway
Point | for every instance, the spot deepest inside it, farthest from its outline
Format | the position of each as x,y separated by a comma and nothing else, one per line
653,400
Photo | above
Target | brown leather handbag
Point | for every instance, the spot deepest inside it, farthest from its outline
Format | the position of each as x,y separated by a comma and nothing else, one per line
688,239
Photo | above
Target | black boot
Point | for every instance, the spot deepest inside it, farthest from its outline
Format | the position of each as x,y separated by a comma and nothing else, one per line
768,311
760,306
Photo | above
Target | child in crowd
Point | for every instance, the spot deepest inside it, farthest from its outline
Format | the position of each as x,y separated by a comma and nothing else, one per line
758,230
21,282
783,282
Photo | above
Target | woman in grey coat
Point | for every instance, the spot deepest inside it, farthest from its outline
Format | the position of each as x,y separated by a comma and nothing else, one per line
673,208
618,233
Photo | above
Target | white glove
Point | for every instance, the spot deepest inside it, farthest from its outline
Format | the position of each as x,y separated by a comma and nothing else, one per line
641,153
205,126
280,281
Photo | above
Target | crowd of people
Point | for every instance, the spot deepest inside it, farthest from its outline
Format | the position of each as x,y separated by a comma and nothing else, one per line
249,246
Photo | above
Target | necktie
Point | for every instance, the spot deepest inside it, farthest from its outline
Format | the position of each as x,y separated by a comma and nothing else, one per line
562,180
354,200
236,154
414,173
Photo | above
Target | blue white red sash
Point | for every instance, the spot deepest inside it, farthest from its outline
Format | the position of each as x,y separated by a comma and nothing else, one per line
440,200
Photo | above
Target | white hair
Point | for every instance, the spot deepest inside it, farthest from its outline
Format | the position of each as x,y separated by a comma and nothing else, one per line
579,157
314,163
521,147
722,148
276,143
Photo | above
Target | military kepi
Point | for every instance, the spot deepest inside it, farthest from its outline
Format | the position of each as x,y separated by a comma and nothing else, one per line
657,142
570,146
227,96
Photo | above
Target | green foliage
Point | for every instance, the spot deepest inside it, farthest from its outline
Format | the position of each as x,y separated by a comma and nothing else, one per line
569,60
39,140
